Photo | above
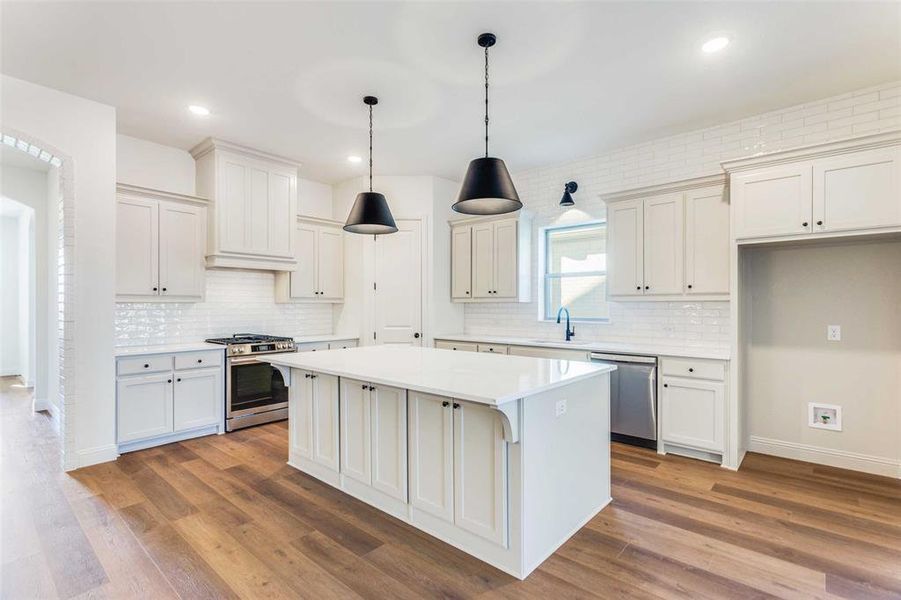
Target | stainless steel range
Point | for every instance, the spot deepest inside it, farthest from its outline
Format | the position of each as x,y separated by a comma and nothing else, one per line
255,392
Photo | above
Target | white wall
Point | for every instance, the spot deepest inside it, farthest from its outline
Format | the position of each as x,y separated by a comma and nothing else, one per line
794,293
9,296
85,131
154,166
26,289
682,156
314,199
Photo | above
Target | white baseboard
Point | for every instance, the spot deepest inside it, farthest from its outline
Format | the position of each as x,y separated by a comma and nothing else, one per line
93,456
877,465
9,372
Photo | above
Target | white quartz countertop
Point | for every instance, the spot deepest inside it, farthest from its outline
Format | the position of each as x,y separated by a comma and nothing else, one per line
614,347
166,348
484,378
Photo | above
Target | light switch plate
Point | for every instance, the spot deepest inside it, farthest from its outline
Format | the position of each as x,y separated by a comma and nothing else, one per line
560,408
834,333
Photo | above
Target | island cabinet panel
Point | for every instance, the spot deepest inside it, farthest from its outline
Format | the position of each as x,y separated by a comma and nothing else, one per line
480,472
389,440
432,454
355,430
313,418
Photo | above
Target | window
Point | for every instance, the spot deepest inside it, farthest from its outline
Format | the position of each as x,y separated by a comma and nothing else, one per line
575,271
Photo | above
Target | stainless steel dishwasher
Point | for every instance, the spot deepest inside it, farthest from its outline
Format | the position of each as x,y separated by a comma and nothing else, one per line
633,398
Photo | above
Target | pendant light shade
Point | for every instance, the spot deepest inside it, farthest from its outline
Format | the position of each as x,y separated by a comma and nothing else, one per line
370,214
487,188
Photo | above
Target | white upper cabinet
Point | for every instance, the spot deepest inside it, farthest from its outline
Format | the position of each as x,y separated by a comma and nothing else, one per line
707,241
253,203
840,188
490,259
160,241
669,241
461,263
319,252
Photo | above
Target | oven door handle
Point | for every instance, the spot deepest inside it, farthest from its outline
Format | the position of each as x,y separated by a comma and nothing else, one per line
245,361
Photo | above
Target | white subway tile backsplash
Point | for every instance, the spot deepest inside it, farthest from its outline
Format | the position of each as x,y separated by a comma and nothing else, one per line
682,156
236,301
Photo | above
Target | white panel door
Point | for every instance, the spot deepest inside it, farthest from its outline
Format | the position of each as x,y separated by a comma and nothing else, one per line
331,263
236,189
505,265
300,414
692,413
480,472
483,260
707,241
398,278
663,245
182,246
461,262
257,210
281,217
304,281
198,399
431,454
144,407
137,247
772,202
857,191
625,248
389,440
355,430
325,420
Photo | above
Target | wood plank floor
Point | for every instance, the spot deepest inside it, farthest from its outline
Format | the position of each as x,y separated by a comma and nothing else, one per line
224,517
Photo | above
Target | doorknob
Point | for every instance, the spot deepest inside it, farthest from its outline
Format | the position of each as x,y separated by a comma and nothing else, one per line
416,335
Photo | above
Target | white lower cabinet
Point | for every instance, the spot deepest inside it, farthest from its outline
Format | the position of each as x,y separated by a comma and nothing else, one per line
458,464
313,418
692,413
183,397
356,458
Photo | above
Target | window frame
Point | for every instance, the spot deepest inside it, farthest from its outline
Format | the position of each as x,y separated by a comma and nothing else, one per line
547,275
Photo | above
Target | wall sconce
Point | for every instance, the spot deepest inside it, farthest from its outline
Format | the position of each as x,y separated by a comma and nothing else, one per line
568,190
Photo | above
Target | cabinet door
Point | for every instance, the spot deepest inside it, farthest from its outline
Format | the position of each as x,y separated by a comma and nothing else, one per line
483,260
707,241
505,264
233,212
389,440
772,202
857,191
300,414
461,262
144,407
137,247
663,244
257,210
432,454
355,430
199,400
182,246
480,472
281,214
625,240
304,279
692,413
325,420
331,263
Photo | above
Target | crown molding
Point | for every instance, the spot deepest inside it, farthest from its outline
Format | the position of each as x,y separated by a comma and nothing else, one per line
666,188
145,192
210,144
779,157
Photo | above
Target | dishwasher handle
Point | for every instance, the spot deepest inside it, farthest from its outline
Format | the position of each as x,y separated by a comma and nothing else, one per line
645,360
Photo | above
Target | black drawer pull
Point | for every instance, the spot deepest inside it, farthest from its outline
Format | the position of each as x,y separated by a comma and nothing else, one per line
691,370
456,405
200,360
665,385
168,381
146,366
445,404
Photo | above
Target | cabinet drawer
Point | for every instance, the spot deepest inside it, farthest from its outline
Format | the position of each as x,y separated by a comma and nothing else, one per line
144,364
493,348
198,360
694,368
461,346
312,346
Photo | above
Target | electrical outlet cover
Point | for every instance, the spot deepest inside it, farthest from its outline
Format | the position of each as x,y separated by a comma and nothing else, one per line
834,333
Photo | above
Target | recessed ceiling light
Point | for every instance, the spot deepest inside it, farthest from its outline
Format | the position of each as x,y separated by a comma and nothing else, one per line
200,111
715,44
354,159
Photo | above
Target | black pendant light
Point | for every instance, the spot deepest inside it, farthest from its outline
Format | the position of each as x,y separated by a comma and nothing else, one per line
487,188
370,214
568,190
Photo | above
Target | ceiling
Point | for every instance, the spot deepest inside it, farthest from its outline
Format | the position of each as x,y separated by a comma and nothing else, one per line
569,79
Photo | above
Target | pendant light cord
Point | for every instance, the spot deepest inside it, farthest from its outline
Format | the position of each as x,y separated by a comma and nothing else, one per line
486,101
370,147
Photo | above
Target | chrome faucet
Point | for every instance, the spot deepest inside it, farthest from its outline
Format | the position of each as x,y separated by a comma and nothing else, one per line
569,332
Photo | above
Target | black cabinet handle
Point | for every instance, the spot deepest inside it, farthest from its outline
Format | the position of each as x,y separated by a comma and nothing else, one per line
200,360
154,289
456,405
313,376
647,287
168,381
306,375
164,289
689,286
665,385
637,287
178,379
691,369
467,292
371,388
804,224
146,366
445,404
819,222
416,335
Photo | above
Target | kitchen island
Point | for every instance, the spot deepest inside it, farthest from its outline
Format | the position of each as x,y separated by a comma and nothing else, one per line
503,457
